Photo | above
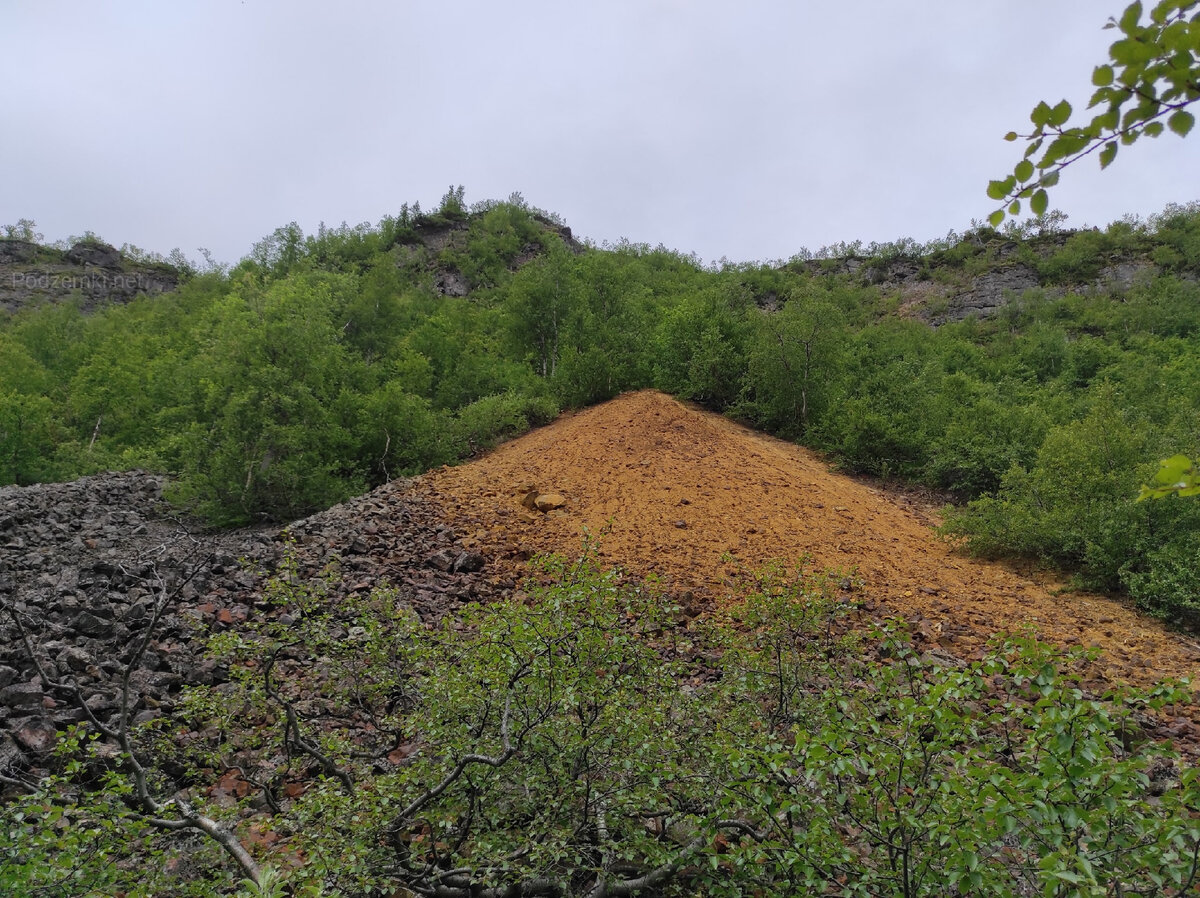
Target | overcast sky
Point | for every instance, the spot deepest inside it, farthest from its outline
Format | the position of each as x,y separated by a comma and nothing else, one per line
744,129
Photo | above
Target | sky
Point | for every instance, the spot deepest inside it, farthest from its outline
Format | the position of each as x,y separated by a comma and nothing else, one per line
741,130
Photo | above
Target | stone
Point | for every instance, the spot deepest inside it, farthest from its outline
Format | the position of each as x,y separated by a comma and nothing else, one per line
451,283
80,565
468,562
205,673
443,560
17,251
989,292
76,658
11,756
99,254
92,625
21,695
36,736
550,501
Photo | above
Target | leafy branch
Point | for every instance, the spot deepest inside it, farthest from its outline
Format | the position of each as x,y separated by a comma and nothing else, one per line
1153,74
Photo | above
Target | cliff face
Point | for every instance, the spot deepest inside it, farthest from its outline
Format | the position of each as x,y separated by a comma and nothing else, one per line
983,281
94,272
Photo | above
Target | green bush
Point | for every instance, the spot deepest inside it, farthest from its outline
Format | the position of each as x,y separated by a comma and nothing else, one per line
1166,581
490,420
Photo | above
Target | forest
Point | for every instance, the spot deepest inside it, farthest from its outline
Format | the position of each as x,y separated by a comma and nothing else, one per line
322,365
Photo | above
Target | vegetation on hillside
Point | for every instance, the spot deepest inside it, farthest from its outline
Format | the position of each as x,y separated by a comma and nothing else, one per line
583,744
324,364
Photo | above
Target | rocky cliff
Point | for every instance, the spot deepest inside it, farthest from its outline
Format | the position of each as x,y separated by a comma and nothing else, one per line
95,273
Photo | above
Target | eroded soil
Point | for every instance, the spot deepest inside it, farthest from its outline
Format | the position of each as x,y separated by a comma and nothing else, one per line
691,496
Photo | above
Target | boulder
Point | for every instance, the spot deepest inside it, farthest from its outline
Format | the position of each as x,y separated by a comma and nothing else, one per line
93,625
468,562
11,756
99,254
21,695
451,283
12,251
8,676
36,736
443,559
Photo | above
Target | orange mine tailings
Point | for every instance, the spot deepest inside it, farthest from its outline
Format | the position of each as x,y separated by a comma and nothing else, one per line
676,491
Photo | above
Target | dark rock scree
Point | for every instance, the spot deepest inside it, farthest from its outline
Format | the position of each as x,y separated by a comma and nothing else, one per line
83,564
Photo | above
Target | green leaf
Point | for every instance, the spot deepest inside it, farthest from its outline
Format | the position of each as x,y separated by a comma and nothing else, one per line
1038,203
1173,470
1023,172
1102,76
1181,122
1131,17
1010,136
1108,153
1041,114
1153,129
1131,52
997,190
996,218
1107,121
1059,114
1014,207
1176,475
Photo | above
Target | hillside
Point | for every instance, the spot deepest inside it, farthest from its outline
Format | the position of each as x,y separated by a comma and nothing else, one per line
308,688
675,491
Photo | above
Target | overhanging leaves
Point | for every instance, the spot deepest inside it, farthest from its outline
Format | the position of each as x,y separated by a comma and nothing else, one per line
1152,73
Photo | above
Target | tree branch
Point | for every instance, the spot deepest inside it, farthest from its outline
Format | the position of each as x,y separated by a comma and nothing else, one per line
292,734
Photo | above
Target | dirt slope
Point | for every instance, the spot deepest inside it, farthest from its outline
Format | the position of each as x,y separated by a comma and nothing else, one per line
676,489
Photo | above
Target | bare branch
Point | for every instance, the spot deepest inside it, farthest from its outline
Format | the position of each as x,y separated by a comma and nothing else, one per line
156,813
463,763
292,734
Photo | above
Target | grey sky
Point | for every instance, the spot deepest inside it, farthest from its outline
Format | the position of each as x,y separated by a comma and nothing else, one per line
744,129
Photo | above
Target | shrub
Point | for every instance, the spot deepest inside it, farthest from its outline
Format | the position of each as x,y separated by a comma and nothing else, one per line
492,419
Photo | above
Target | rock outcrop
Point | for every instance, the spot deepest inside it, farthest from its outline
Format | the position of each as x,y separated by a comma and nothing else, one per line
95,273
941,294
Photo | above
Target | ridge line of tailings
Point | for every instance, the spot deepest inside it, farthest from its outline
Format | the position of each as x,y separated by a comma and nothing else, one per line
675,489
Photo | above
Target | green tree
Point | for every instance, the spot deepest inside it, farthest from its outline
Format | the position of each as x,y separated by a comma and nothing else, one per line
541,298
1152,75
700,346
791,361
271,436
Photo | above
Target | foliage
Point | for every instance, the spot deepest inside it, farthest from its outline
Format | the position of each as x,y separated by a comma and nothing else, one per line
1144,88
484,422
25,229
791,357
580,741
